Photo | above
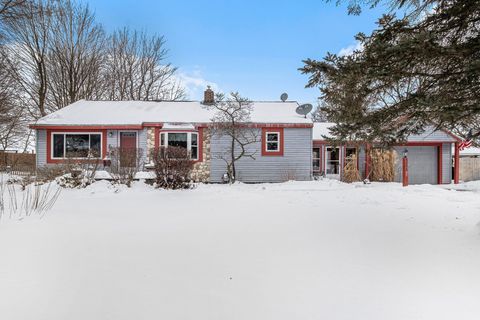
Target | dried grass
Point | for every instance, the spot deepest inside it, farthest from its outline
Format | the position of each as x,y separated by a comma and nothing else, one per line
350,170
23,200
383,164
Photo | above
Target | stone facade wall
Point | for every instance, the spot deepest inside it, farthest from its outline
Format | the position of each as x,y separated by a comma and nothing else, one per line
150,144
201,170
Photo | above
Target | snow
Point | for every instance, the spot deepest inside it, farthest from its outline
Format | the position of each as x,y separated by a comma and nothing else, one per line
102,174
296,250
85,112
178,126
472,151
145,175
322,130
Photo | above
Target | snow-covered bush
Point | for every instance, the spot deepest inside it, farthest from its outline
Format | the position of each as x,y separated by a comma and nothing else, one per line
81,179
71,173
172,168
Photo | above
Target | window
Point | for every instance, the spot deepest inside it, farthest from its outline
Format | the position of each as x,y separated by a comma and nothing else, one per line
76,145
316,160
333,160
188,140
194,146
350,152
273,141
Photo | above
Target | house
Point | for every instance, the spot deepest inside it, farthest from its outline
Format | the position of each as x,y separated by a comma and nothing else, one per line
289,147
99,127
429,156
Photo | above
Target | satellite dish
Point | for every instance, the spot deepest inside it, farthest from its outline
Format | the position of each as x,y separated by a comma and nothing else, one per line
284,97
304,109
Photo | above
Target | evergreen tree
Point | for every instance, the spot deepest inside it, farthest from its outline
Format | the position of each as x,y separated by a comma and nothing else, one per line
423,68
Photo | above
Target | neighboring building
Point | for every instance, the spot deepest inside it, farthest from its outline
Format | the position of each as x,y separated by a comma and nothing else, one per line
429,156
470,164
103,126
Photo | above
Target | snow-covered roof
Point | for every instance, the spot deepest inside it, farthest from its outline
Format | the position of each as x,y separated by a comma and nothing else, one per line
470,152
321,129
85,112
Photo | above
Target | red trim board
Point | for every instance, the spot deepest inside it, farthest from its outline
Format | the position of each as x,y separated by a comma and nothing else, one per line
281,140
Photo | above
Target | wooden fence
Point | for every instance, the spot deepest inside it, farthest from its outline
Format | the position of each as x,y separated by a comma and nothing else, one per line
469,169
17,163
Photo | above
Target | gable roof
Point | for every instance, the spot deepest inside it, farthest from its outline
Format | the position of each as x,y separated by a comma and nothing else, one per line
93,113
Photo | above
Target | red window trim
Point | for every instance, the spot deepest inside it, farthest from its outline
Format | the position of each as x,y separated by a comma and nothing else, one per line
320,158
264,141
49,143
199,130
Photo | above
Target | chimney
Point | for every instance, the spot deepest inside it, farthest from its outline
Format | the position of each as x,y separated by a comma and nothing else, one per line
208,96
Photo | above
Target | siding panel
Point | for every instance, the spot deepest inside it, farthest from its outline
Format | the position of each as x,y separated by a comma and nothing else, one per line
295,164
430,134
41,147
142,144
447,163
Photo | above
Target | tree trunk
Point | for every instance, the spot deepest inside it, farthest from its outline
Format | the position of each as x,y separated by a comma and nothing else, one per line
233,175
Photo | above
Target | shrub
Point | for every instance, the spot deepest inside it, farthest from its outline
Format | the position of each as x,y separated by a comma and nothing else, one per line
125,163
33,197
77,173
172,167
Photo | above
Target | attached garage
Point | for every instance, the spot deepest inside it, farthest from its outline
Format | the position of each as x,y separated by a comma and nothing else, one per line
429,156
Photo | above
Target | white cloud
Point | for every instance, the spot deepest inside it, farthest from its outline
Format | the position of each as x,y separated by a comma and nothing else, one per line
350,49
195,83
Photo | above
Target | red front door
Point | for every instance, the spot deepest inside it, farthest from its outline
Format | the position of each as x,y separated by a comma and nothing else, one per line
128,149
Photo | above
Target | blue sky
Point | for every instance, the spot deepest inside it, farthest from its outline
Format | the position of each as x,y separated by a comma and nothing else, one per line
254,47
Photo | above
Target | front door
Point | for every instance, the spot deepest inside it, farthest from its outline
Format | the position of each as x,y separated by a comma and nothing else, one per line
128,149
332,165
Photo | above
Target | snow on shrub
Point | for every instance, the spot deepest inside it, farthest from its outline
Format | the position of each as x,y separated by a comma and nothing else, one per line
172,167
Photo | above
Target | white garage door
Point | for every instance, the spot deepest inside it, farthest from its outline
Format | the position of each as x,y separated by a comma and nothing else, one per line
422,165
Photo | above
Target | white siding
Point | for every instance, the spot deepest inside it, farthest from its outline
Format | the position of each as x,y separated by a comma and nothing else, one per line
295,164
41,147
142,144
447,163
431,135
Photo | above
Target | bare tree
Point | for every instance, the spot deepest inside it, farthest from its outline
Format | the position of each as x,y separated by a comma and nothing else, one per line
136,68
232,121
9,9
12,121
27,52
76,55
319,115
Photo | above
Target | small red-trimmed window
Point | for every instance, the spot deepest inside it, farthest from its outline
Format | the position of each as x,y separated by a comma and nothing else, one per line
272,142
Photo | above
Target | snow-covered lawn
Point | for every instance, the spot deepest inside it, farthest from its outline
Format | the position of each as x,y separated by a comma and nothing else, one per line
298,250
